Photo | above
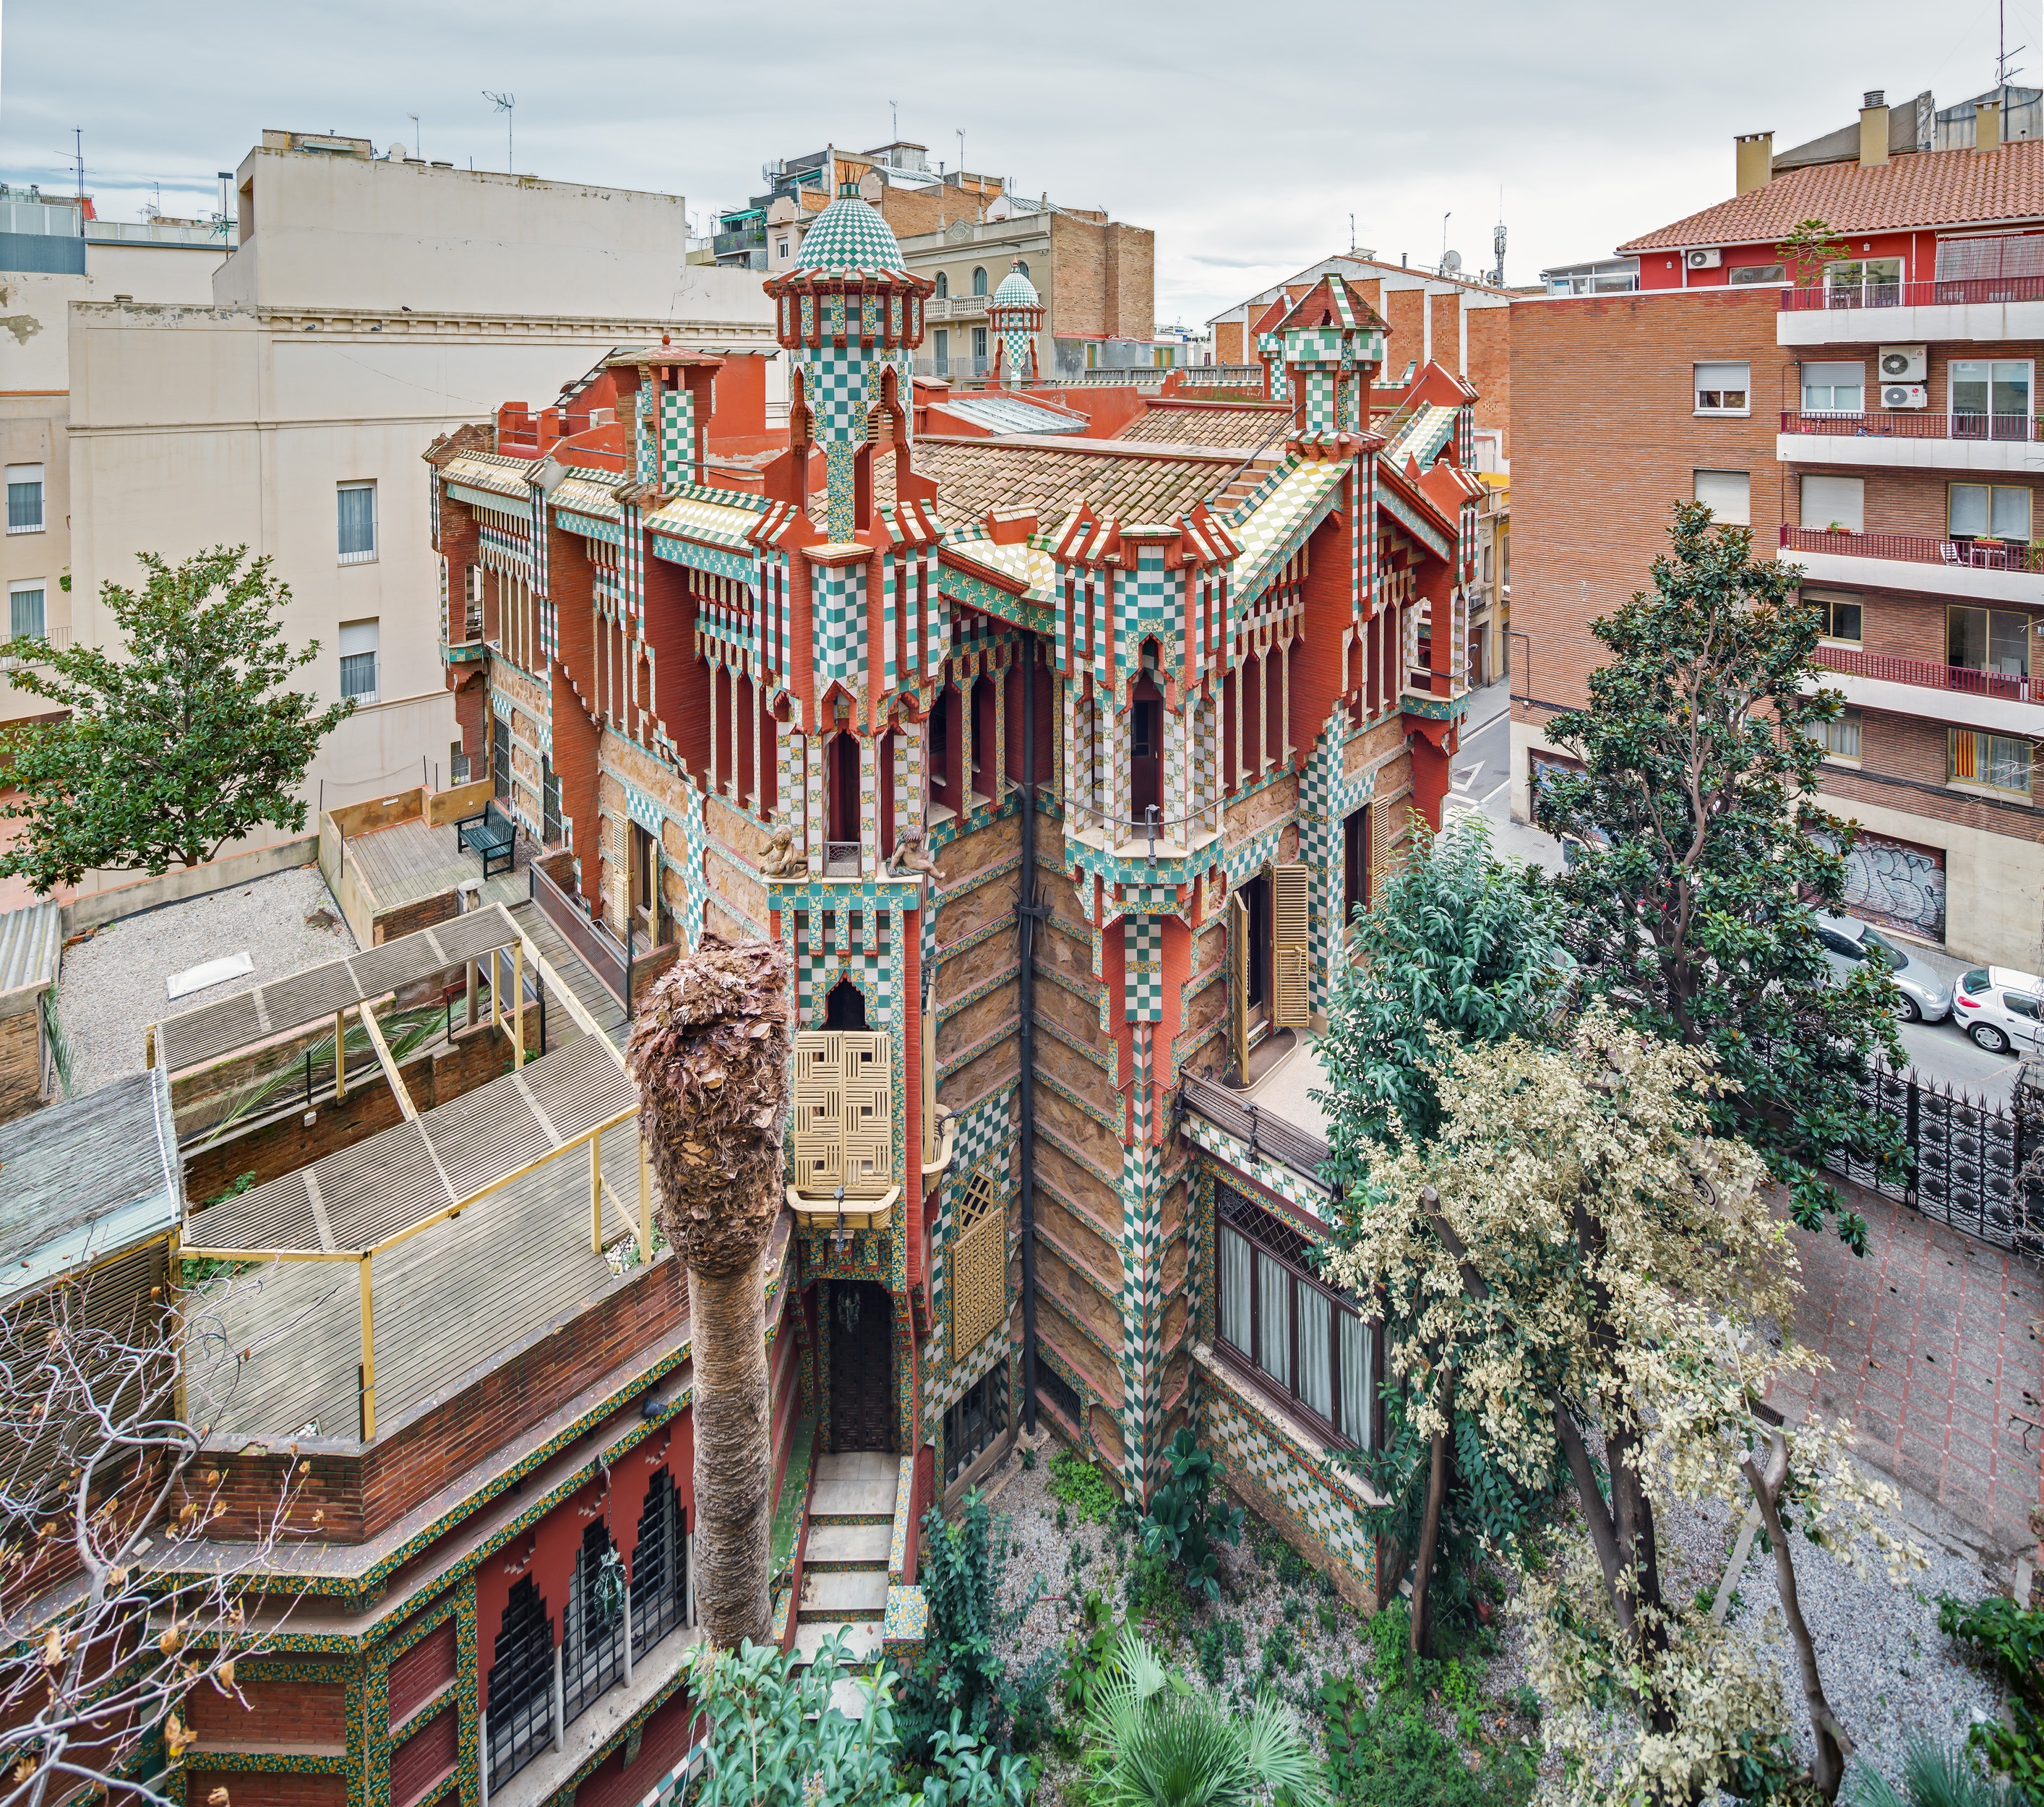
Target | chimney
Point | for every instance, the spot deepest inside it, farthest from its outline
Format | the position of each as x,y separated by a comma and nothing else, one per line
1754,152
1873,129
1987,126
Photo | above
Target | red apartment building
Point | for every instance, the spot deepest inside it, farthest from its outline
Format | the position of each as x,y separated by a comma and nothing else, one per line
1879,427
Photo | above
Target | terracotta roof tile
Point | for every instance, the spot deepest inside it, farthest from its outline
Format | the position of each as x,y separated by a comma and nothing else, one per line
1220,425
1926,188
974,475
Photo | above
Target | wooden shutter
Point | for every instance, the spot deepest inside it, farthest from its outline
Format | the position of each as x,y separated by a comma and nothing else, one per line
1291,999
976,1265
843,1114
1238,987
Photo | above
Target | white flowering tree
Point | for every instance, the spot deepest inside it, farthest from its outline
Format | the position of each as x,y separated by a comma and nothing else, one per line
1595,1270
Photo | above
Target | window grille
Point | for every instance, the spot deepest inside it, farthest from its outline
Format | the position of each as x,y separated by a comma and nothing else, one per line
976,1266
593,1640
1053,1387
972,1426
521,1685
660,1566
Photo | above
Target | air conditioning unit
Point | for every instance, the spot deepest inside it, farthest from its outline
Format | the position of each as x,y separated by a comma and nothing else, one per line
1905,395
1905,363
1704,259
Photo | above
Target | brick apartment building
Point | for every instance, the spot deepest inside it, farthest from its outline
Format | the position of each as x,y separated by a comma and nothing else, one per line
1876,426
1096,276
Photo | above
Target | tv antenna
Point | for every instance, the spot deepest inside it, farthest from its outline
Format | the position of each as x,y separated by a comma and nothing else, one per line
2003,68
506,104
1351,235
1445,218
418,149
894,113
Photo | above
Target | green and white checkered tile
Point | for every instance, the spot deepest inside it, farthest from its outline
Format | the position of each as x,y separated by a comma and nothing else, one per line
1247,1448
849,236
1143,984
646,459
678,437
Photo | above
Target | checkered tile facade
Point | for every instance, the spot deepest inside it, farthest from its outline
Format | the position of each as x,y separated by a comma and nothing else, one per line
646,465
1249,1447
1328,796
678,438
1141,1245
1142,947
986,1135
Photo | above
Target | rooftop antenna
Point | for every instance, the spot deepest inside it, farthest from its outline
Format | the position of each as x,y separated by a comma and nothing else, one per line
2003,69
1445,218
961,139
894,113
418,149
1351,235
508,105
78,156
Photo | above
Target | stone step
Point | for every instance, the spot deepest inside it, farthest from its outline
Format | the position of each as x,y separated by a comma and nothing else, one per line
859,1465
848,1547
862,1641
855,1595
859,1501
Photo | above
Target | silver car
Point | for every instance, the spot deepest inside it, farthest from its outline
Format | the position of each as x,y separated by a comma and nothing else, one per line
1926,997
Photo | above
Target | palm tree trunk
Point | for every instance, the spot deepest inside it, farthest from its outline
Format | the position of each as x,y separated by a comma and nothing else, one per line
733,1456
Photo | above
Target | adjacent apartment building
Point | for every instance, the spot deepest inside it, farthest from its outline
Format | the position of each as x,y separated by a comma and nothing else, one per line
1875,424
1095,276
366,303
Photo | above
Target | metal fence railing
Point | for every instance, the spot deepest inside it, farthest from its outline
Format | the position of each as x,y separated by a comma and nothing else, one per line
1265,1134
1878,293
1930,674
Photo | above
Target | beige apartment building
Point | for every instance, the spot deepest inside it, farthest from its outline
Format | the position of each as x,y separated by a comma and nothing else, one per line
53,252
369,304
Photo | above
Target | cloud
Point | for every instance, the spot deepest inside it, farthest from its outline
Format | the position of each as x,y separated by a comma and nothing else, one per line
1245,138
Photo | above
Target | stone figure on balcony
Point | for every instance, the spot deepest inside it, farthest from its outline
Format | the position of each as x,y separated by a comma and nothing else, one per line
783,858
908,857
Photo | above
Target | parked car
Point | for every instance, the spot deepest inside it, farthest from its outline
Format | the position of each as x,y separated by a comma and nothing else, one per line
1925,996
1998,1008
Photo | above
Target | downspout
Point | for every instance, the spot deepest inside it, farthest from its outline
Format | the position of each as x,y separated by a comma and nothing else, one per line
1026,913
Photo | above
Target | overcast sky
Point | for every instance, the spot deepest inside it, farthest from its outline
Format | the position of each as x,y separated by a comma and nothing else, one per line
1245,134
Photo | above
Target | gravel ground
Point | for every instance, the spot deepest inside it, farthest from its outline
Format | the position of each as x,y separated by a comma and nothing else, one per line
112,986
1888,1670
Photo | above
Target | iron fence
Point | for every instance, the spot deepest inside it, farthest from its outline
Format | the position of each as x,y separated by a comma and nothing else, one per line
1968,1154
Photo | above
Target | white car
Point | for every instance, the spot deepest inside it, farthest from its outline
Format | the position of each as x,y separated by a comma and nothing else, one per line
1998,1007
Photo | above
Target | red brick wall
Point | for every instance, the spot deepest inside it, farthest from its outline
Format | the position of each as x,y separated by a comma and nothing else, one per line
426,1666
426,1757
247,1788
662,1744
278,1713
1490,368
1605,442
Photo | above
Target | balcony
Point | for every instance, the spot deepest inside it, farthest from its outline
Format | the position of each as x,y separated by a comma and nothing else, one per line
955,307
2000,702
1917,441
1983,309
1966,570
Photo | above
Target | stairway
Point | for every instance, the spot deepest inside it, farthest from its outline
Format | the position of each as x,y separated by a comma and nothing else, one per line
844,1570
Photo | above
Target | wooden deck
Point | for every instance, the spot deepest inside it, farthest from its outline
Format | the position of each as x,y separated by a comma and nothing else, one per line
591,992
451,1300
404,864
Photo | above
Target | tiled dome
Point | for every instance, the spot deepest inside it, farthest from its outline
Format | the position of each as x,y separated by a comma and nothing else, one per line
1016,290
850,236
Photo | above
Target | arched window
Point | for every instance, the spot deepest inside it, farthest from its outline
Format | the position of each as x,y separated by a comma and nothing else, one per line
592,1631
979,280
943,285
659,1566
1022,267
522,1684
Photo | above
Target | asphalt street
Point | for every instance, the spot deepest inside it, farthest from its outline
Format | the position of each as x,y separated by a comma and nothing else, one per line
1482,778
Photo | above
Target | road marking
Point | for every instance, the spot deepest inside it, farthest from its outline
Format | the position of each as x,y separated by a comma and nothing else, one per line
1503,783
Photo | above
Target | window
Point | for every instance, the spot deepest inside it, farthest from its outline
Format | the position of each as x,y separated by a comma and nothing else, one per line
1834,389
1053,1389
1724,389
979,344
972,1426
979,281
24,498
357,523
1835,502
358,660
1301,1338
781,248
1988,640
1022,267
521,1686
1728,494
1756,273
1145,742
1998,511
1865,281
592,1629
1993,760
659,1566
943,345
1840,739
1844,613
550,803
943,284
1990,398
500,759
25,611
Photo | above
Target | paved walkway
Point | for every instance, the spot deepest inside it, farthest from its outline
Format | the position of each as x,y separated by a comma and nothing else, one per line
1934,1343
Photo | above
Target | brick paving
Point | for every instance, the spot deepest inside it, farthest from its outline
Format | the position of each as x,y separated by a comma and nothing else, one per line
1934,1343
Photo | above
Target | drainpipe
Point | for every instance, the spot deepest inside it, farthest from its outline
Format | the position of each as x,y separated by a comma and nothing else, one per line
1026,914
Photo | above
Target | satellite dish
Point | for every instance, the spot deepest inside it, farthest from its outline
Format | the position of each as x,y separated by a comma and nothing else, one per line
1450,262
871,187
398,154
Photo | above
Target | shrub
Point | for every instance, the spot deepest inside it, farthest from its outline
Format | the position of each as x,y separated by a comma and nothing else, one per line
1391,1755
1083,1486
2013,1636
1184,1521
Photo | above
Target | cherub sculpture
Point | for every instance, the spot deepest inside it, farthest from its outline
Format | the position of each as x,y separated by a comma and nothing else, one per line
909,857
783,858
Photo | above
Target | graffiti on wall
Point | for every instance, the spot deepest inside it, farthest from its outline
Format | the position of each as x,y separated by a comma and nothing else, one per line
1897,884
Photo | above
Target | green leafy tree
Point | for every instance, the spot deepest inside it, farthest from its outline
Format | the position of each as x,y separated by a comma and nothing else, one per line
1808,249
2012,1635
184,739
1703,857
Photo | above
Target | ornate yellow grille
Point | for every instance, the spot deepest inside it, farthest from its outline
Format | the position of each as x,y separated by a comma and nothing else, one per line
977,1266
843,1114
